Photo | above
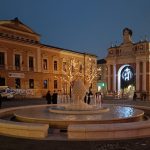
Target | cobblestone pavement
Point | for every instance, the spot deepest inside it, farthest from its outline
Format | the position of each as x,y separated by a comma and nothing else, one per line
12,143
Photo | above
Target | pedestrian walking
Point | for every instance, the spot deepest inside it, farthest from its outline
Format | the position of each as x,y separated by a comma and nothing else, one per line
90,94
54,97
49,98
86,97
134,96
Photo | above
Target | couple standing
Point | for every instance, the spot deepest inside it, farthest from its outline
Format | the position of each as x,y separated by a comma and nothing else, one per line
51,99
88,97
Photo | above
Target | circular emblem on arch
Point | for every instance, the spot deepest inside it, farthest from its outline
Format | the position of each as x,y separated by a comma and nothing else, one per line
127,73
126,77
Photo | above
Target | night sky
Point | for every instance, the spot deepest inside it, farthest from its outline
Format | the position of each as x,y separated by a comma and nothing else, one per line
82,25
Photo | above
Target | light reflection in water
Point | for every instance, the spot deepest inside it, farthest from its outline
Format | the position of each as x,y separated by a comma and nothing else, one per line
124,112
115,112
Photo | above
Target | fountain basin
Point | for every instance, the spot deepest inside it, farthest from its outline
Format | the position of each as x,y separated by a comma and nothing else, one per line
42,114
75,111
139,128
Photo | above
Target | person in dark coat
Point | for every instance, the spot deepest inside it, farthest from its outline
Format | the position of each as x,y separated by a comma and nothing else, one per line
86,97
49,98
134,96
0,100
89,97
54,98
144,96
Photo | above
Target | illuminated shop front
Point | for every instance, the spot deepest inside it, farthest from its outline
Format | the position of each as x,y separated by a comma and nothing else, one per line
128,66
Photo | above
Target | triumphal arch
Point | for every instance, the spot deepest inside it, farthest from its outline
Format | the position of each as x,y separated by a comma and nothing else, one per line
128,66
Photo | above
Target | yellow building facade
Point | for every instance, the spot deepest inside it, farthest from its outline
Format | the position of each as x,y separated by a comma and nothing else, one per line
32,68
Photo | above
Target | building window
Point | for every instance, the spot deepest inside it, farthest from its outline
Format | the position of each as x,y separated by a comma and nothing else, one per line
45,64
55,65
45,84
80,68
2,81
17,83
31,63
72,68
17,62
55,84
31,83
2,60
64,66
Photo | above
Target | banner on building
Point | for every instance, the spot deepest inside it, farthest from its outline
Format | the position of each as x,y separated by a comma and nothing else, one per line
16,75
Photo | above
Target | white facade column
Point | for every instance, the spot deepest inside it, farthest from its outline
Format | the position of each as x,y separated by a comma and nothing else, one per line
114,77
137,75
108,77
39,60
144,76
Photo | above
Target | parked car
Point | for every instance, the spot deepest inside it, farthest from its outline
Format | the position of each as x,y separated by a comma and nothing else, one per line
6,92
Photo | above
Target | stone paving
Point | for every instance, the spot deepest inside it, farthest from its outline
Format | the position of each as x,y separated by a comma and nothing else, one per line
12,143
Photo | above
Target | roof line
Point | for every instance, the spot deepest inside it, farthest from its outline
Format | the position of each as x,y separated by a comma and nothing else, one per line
17,20
63,49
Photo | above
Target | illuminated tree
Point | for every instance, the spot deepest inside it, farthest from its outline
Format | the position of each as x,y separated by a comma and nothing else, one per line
90,72
70,72
74,69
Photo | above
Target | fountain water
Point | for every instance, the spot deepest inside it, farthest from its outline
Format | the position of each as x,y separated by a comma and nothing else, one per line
78,106
78,112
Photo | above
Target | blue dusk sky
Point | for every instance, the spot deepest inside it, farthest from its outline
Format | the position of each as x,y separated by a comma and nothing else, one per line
89,26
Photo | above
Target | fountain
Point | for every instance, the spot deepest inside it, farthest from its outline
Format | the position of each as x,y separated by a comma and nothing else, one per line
77,104
78,112
76,120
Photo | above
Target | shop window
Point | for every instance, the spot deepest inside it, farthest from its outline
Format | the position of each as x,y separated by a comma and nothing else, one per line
17,83
31,83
